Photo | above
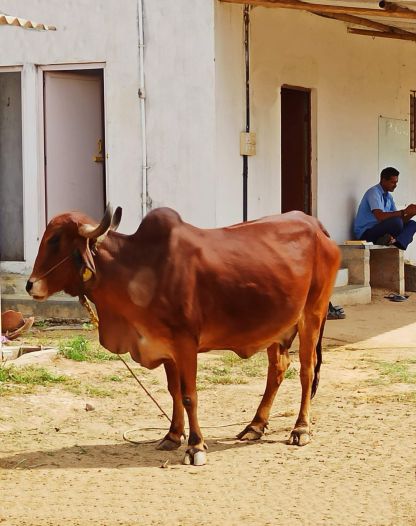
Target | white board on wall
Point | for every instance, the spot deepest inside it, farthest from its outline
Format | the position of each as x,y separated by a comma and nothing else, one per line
393,150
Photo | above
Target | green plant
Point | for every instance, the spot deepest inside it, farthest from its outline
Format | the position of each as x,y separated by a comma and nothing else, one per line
229,368
80,349
291,373
75,348
41,324
28,376
97,392
396,372
114,378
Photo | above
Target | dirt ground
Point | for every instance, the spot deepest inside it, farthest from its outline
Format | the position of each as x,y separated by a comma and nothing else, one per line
63,465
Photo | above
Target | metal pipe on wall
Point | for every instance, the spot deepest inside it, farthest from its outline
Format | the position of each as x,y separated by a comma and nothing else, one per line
247,90
142,99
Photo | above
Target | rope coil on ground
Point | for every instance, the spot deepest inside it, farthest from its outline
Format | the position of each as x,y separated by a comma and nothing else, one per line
140,442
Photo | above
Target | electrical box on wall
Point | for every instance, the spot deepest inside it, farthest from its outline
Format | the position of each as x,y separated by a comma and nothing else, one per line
248,143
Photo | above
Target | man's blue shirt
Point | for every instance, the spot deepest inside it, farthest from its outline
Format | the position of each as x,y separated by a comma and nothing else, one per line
374,198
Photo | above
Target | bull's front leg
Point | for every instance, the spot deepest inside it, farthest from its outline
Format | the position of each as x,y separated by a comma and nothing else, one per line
173,438
196,450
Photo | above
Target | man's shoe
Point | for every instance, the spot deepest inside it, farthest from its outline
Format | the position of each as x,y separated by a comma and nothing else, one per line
335,312
386,240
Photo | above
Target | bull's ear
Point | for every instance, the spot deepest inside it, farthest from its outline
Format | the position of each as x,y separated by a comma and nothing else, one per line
115,220
85,260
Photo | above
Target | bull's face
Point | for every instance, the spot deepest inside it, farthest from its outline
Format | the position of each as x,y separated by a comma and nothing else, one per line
65,258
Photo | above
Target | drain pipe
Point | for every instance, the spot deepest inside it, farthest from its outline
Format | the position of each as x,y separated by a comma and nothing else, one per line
247,83
142,99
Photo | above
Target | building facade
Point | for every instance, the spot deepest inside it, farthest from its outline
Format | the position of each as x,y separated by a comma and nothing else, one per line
144,107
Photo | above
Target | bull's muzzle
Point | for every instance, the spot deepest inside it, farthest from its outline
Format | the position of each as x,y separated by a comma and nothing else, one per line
37,289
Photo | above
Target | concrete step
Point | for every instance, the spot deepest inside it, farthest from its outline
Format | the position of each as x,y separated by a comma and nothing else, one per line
410,276
351,295
342,278
16,284
64,307
15,297
13,283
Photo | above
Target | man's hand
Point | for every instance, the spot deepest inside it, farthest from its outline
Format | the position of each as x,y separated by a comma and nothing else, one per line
406,213
409,212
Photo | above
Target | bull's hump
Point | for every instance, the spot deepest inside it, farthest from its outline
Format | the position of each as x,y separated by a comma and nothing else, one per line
159,223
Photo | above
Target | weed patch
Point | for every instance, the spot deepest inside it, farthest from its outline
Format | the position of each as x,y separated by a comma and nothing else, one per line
26,380
394,372
30,375
89,390
80,349
231,369
14,379
291,373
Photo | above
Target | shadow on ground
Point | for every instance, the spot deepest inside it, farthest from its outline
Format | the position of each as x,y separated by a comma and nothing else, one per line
114,455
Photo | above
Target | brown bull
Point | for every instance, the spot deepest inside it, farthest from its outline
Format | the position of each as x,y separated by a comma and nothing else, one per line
172,290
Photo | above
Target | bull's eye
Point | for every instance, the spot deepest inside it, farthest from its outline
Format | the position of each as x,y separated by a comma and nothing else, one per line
54,240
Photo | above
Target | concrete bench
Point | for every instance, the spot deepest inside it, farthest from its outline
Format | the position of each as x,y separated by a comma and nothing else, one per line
374,265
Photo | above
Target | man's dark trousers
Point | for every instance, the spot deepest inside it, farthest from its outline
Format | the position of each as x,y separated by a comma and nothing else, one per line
402,232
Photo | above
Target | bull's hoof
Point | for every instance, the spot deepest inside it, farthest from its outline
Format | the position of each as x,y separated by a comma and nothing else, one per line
167,444
195,457
299,437
251,433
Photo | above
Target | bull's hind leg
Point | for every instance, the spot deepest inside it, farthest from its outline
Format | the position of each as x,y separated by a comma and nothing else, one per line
177,428
278,363
309,333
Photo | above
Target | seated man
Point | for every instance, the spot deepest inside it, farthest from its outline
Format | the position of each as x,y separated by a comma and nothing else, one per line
378,219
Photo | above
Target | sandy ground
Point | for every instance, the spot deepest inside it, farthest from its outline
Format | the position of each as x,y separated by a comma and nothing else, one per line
62,465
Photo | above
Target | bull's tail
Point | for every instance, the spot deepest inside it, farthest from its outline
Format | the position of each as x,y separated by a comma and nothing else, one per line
315,382
324,230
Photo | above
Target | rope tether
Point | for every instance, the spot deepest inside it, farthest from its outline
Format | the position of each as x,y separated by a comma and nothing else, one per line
94,320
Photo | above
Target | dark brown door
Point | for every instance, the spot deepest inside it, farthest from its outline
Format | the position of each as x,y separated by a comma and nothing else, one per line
296,150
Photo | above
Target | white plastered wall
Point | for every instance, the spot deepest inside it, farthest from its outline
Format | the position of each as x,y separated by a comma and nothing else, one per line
353,79
180,69
87,33
180,101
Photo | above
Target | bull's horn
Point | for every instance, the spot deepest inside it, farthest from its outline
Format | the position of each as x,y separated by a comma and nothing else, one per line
93,232
115,221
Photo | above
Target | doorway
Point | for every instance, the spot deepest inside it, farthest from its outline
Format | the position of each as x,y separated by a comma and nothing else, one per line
11,167
296,191
74,142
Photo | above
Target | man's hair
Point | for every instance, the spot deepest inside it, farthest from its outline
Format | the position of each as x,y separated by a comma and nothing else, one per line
389,172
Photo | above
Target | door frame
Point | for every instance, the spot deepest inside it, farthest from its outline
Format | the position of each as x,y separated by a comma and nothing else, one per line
313,140
41,129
